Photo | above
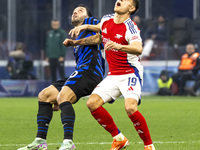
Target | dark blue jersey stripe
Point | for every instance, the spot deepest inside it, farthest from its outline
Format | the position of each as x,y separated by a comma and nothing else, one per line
89,56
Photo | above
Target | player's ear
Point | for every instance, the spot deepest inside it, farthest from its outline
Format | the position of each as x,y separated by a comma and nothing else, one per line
132,9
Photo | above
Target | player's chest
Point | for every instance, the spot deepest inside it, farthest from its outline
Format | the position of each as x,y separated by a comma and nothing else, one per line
114,33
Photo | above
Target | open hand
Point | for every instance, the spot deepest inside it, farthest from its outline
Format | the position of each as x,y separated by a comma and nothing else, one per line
76,31
111,45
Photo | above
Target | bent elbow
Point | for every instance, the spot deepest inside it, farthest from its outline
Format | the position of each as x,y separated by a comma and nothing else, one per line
139,50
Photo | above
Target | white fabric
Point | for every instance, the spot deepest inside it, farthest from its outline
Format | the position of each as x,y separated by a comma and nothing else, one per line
114,86
148,45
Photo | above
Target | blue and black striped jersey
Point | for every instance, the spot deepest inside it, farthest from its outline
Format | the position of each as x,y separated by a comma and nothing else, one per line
89,57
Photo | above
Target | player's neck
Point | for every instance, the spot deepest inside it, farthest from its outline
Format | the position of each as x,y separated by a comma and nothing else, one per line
78,25
120,18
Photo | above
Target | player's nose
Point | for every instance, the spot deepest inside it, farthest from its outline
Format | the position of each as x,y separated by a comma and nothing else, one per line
75,12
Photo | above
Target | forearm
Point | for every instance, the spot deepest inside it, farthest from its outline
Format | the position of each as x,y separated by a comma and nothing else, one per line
92,40
94,28
76,31
136,50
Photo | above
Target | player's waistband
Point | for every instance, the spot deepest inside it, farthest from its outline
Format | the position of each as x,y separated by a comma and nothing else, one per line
122,72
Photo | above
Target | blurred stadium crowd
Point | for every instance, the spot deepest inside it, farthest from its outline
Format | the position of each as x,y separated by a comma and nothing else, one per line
166,28
30,21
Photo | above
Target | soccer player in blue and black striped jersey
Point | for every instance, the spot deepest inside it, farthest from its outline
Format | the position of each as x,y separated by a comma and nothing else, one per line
88,73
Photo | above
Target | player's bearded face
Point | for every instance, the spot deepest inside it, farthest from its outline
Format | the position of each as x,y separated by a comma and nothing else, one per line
78,16
123,6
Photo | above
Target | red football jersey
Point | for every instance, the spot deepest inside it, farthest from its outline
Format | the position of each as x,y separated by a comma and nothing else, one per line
124,33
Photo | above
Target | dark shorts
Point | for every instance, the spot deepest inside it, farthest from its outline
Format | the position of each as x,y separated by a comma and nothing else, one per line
81,82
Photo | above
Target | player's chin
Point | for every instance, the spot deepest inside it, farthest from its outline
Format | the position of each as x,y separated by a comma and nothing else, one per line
117,10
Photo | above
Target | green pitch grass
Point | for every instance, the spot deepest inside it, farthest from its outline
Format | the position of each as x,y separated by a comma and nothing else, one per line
173,122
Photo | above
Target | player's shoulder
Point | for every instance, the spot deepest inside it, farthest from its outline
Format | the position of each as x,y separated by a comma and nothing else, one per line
108,16
91,21
130,22
131,26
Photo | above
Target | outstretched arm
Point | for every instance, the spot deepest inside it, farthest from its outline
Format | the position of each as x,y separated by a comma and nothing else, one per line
75,31
133,48
92,40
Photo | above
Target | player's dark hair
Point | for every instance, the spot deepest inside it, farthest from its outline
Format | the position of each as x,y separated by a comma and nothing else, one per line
87,9
136,3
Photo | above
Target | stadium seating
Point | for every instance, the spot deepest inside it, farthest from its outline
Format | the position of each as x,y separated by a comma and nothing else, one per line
195,34
181,31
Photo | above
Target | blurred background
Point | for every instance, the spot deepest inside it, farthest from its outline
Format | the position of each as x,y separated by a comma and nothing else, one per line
166,27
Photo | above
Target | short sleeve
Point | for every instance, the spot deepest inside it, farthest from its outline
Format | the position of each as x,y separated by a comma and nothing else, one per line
132,33
91,21
105,18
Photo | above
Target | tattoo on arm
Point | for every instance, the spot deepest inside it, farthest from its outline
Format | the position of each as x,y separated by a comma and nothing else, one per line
92,40
89,41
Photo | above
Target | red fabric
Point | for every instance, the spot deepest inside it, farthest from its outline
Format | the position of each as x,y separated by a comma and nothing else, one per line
124,33
141,127
105,120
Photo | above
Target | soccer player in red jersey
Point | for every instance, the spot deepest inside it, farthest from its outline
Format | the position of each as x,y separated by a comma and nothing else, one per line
122,44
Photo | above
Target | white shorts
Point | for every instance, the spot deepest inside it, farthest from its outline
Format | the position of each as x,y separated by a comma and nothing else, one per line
113,86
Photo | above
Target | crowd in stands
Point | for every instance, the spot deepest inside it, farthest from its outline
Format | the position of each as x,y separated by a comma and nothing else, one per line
175,39
19,64
188,69
165,39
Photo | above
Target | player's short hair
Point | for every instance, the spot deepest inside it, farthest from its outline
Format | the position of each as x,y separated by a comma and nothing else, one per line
87,9
136,3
